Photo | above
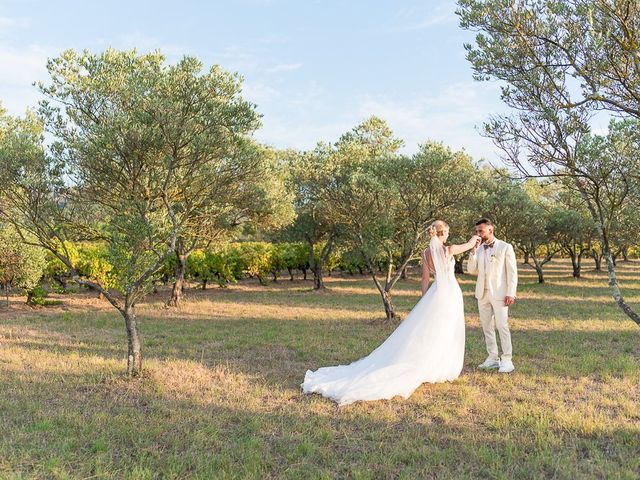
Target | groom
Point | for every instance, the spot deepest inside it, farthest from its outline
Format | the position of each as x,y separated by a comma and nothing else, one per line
494,261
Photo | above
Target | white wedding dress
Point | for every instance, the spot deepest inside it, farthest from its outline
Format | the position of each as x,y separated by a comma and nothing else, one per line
428,346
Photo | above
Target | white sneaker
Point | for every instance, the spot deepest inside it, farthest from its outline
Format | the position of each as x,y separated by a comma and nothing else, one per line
506,366
489,363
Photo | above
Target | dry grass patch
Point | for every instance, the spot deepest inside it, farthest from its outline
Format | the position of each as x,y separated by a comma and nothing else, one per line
220,395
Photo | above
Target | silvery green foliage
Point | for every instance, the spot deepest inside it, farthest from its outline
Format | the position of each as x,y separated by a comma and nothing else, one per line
21,265
144,143
559,62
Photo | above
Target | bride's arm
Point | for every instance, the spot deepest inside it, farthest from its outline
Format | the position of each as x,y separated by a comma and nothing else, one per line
425,279
457,249
425,271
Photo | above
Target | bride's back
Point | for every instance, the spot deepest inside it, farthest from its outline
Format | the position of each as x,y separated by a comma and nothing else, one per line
428,261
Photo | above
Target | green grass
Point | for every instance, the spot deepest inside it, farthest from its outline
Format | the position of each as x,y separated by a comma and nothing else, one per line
220,395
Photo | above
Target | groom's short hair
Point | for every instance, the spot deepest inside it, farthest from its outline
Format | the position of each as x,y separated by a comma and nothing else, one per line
485,221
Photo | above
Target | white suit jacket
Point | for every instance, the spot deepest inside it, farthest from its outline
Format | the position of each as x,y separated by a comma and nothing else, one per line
503,270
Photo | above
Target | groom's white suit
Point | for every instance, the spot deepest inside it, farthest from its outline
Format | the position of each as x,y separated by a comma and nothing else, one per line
497,278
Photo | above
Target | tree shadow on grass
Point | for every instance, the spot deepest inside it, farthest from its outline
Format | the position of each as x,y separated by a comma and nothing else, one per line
114,428
589,290
571,306
280,353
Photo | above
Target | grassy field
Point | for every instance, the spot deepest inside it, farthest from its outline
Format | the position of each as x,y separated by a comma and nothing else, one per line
220,396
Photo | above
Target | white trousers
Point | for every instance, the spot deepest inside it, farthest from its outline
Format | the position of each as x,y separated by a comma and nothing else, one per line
495,315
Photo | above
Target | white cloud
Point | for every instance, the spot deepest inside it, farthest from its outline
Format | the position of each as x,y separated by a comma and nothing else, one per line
20,68
238,59
431,21
144,43
451,116
253,60
428,15
259,93
7,23
284,67
273,39
302,135
302,117
137,40
313,97
299,119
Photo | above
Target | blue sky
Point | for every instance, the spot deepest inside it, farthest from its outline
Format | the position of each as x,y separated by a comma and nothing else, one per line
314,68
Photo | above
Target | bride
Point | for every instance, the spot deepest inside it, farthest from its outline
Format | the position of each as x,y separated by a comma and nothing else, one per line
428,346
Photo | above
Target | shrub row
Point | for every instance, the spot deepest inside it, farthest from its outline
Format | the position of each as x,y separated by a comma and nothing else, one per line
221,265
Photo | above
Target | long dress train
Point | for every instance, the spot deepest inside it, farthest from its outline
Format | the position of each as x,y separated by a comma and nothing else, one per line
428,346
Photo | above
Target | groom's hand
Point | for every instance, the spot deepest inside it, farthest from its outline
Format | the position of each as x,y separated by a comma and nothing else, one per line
508,301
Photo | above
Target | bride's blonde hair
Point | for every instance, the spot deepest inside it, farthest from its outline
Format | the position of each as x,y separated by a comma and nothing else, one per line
437,226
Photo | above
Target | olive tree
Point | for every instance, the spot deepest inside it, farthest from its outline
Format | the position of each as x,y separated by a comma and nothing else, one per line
245,187
538,49
122,167
309,178
388,201
21,265
320,179
571,227
521,217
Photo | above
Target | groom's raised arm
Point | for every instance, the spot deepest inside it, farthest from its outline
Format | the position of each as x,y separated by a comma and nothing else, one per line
512,272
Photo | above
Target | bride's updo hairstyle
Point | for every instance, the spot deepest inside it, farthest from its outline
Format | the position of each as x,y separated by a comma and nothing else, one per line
436,227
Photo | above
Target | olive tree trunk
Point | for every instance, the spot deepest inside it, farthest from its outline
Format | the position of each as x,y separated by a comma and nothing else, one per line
576,253
388,307
391,277
134,354
177,292
539,263
597,259
575,265
598,218
387,301
318,267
